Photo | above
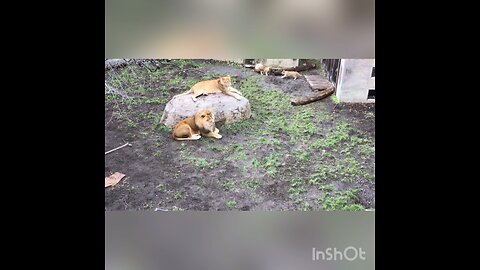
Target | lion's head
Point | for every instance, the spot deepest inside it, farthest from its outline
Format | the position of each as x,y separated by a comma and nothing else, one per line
205,120
224,82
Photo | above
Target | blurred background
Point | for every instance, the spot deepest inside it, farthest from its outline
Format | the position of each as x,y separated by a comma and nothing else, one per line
236,240
239,28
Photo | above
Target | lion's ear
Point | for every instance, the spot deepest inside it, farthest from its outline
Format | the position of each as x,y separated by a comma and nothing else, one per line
219,80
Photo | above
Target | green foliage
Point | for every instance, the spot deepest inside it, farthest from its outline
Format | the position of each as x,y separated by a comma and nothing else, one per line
345,201
232,204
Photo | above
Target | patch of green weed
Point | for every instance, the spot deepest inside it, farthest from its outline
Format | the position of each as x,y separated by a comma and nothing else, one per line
335,137
232,204
345,201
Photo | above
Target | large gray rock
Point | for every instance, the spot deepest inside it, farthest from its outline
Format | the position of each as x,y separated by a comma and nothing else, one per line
226,109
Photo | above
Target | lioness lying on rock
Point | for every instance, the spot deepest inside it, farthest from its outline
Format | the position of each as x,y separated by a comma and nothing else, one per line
220,85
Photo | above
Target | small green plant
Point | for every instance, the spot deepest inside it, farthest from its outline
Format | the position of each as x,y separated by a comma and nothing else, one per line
296,187
366,150
252,185
215,148
141,90
306,207
349,168
303,156
337,136
161,187
131,124
156,125
347,151
232,204
256,163
176,81
116,83
239,156
271,164
335,99
238,152
302,125
327,188
267,141
164,90
155,101
341,201
164,128
229,185
109,98
160,73
157,153
178,195
322,174
356,141
353,207
202,163
369,177
237,147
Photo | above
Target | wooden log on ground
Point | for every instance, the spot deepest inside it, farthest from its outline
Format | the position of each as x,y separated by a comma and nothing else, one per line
318,96
278,71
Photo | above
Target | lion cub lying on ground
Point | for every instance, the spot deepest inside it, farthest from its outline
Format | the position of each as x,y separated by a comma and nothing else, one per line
220,85
291,74
202,123
261,68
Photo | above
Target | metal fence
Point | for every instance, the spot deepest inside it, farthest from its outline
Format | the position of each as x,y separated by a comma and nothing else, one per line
332,67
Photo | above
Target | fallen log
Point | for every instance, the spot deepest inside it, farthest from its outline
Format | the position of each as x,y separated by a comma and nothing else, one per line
318,96
278,71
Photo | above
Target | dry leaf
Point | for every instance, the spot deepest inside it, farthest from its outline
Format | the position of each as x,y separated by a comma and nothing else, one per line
113,179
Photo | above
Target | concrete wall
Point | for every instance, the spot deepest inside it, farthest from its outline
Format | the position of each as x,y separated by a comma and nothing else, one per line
354,80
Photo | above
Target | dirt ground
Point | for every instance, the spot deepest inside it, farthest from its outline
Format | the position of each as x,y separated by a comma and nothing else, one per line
319,156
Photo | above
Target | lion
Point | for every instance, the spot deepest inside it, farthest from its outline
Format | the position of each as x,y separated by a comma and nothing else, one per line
220,85
261,68
293,74
191,128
